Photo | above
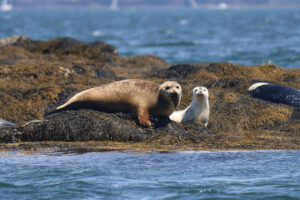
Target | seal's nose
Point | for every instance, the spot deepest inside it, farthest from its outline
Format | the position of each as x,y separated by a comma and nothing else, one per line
174,94
199,93
175,98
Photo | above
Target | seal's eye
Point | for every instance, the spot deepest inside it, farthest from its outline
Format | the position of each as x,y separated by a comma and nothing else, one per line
167,88
177,87
196,90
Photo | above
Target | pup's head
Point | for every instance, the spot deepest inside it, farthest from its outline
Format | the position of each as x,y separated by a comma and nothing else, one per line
200,93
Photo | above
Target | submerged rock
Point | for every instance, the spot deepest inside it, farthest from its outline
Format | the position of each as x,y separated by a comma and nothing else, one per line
36,76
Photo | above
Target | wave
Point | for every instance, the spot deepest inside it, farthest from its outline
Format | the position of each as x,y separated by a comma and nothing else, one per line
97,33
175,43
7,185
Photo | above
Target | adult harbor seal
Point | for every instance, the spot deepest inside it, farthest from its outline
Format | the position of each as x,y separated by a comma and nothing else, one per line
131,95
275,93
198,110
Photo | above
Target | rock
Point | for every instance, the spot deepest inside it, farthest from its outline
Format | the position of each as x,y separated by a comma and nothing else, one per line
138,66
70,46
89,125
6,123
9,135
102,73
36,76
17,39
177,71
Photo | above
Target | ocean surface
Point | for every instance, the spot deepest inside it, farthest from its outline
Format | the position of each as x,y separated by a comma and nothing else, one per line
248,37
151,175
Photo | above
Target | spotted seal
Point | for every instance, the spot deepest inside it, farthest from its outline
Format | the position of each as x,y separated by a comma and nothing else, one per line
131,95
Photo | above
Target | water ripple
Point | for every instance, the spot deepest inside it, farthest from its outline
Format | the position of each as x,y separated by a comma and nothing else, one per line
126,175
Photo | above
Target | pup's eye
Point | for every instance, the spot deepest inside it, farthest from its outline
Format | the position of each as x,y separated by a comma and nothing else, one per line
177,87
167,88
196,90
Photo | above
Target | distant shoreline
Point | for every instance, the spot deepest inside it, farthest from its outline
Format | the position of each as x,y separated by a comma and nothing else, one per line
221,6
157,7
148,8
153,4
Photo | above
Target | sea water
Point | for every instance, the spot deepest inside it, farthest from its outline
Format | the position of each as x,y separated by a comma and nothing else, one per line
151,175
247,37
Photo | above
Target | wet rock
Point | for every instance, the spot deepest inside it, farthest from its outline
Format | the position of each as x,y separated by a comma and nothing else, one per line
9,135
89,125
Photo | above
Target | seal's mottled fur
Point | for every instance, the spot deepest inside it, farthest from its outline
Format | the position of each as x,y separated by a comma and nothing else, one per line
131,95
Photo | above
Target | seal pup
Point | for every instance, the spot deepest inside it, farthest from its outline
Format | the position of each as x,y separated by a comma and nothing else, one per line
6,123
198,110
275,93
131,95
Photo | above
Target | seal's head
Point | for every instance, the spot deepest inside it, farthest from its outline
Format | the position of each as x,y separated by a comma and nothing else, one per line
200,93
172,90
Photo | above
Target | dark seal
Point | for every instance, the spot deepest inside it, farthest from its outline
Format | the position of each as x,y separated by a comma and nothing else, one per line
276,93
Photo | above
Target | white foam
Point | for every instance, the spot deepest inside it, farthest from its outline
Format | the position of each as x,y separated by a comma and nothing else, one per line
184,22
222,6
97,33
256,85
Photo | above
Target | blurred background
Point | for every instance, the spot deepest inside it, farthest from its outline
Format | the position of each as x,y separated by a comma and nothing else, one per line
154,3
248,32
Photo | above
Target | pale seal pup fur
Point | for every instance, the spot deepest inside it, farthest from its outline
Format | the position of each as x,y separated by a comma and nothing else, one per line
131,95
198,110
275,93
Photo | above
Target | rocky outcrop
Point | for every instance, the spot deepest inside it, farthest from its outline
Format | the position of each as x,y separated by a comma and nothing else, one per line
15,40
36,76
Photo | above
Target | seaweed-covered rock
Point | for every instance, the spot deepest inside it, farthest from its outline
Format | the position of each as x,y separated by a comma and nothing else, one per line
36,76
60,46
15,40
89,125
177,71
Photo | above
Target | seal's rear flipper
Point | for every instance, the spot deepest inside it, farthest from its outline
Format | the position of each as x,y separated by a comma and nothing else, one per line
52,111
72,106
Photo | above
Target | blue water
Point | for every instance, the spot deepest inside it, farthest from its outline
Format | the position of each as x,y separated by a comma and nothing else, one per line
150,175
248,37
